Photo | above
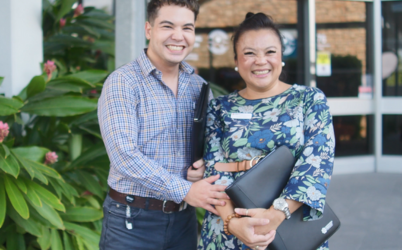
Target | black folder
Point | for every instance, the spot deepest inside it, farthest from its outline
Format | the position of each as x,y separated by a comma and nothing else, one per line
199,122
262,184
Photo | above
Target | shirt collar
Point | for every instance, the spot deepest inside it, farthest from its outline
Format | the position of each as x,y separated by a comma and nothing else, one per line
147,67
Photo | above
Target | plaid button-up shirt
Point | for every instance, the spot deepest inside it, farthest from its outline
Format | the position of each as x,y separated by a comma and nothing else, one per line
146,129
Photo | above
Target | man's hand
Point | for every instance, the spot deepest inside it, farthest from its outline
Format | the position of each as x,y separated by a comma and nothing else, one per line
203,194
196,174
243,229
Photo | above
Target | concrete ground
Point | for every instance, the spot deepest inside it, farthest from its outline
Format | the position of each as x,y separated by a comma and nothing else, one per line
369,206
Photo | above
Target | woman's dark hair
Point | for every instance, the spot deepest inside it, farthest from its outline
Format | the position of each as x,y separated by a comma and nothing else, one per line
255,22
154,6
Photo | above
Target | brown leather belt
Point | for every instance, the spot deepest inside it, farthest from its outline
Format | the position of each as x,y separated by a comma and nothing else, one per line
147,203
237,166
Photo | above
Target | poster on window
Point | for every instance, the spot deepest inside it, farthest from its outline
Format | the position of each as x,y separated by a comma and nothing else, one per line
323,63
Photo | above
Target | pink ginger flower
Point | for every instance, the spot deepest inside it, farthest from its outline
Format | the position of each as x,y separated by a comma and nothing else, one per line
4,130
62,23
51,157
49,68
79,10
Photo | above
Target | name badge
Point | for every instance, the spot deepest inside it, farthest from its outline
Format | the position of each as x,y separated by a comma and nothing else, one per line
241,116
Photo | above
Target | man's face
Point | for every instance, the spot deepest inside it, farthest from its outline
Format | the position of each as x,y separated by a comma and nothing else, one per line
172,35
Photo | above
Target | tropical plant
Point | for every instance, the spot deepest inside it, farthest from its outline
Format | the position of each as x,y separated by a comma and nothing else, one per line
44,203
77,39
53,164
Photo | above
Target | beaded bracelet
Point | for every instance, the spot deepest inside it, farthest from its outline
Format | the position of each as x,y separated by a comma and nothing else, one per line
226,222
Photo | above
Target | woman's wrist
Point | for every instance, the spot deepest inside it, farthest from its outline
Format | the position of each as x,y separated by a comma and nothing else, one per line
227,221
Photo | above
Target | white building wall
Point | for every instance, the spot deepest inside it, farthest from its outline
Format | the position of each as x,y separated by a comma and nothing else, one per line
21,43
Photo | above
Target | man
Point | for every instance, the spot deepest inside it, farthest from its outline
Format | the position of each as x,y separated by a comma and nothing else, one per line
145,115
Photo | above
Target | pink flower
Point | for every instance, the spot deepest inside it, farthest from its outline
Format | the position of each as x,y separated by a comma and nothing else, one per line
79,10
62,22
51,157
49,67
87,193
4,130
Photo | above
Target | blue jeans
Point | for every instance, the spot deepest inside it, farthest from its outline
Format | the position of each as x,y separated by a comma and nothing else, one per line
151,229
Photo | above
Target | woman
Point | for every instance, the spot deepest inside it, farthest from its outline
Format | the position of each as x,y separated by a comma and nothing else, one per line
251,122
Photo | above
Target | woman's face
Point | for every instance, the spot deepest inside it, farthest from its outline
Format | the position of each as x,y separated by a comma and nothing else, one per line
259,59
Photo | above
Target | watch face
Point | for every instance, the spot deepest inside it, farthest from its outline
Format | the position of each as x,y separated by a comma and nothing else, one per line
280,204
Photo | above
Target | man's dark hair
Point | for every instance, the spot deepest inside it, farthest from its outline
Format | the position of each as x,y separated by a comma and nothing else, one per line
255,22
155,5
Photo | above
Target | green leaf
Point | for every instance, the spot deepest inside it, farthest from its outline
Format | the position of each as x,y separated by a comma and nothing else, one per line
65,8
9,106
91,200
12,241
16,198
6,150
87,156
69,83
44,169
82,214
240,142
2,203
32,170
271,144
28,225
1,79
9,165
33,197
89,182
293,140
262,109
47,196
93,76
55,240
61,106
84,232
36,85
68,245
79,243
49,214
21,185
33,153
44,241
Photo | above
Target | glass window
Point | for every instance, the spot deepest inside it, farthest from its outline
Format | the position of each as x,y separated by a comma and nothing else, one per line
342,65
392,48
353,135
392,134
213,51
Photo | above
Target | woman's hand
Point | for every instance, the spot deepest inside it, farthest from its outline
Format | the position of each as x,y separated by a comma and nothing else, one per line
275,218
197,173
244,230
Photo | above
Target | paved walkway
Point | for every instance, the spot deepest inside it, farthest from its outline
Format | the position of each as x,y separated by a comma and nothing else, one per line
370,209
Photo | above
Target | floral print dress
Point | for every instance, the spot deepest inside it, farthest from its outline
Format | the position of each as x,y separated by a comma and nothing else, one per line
239,129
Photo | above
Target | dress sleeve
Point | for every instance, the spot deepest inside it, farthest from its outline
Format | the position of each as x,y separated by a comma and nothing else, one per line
213,144
312,172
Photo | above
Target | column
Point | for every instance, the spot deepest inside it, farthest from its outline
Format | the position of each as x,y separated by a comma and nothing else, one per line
21,43
130,30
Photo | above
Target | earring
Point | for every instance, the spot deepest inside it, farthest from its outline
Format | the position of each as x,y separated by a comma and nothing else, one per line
236,69
283,64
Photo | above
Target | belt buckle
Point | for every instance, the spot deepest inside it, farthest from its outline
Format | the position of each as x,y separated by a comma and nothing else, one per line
163,207
257,159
